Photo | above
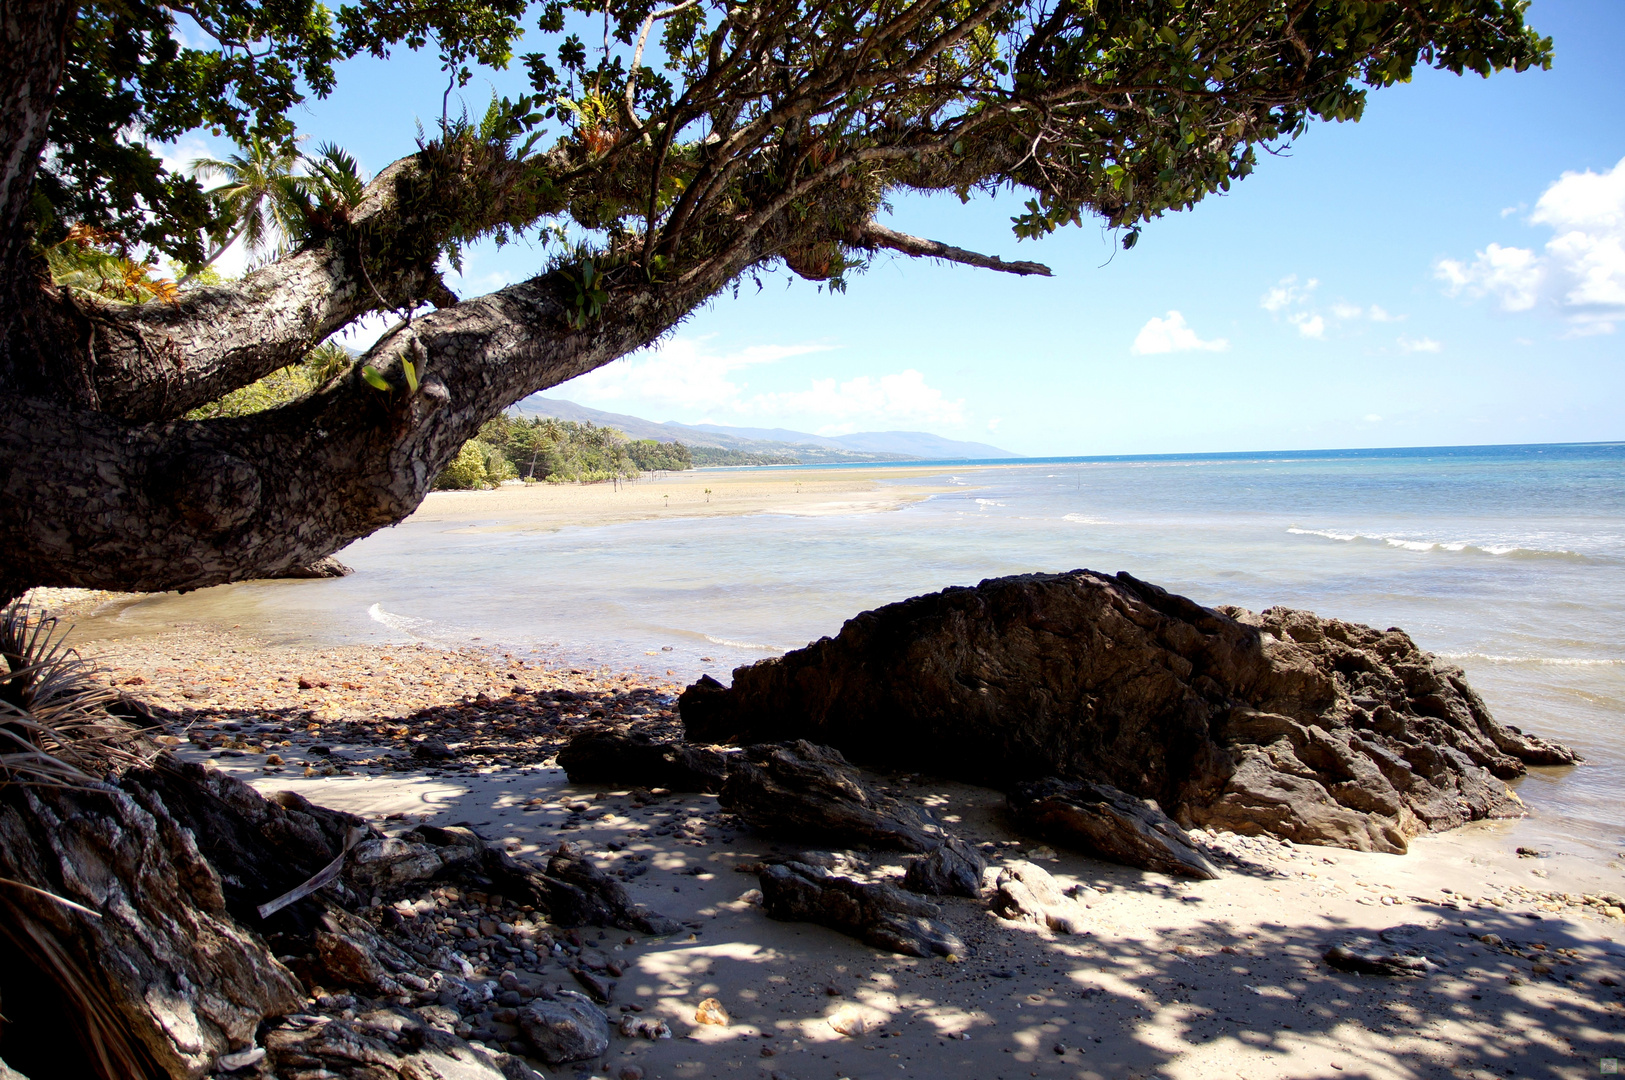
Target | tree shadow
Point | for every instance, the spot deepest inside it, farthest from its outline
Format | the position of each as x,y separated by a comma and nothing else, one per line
1221,978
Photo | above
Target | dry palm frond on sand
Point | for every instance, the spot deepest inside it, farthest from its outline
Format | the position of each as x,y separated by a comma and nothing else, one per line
55,727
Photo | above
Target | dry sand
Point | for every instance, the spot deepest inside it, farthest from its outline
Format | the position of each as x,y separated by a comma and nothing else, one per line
1174,979
713,493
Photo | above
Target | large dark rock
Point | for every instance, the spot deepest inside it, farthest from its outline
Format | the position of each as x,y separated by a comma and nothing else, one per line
1109,823
613,757
877,913
810,792
953,869
1312,729
566,1028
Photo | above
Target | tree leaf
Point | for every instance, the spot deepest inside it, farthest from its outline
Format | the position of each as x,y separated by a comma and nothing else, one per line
375,379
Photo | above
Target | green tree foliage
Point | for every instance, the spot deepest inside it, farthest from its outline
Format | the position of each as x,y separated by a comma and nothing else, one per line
713,456
467,470
557,451
652,456
237,68
1119,108
280,387
94,261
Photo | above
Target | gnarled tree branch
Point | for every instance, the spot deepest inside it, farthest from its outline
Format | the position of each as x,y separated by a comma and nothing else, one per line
873,236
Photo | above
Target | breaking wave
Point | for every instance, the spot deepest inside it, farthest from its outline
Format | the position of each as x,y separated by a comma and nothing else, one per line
750,645
1404,543
1551,661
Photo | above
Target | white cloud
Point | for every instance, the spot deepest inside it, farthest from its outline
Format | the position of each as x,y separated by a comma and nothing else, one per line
1580,274
1167,335
1310,326
902,398
1513,274
1372,418
684,373
1293,301
993,424
1422,344
1288,293
687,377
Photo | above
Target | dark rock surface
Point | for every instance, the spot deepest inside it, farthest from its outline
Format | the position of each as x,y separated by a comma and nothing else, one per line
614,757
810,792
1311,729
953,869
1109,823
578,893
382,1045
567,1028
879,914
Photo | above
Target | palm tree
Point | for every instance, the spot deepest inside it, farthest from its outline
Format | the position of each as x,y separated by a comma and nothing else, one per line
261,193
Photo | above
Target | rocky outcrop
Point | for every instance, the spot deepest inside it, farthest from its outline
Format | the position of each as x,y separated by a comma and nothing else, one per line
611,757
1312,729
1109,823
874,912
810,792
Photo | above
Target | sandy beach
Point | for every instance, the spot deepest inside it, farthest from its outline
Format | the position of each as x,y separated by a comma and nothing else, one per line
1175,979
712,493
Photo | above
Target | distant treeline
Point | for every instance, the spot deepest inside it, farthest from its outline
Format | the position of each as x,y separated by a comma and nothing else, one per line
705,456
558,451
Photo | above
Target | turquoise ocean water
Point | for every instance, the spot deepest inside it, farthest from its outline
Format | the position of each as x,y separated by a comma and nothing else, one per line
1509,560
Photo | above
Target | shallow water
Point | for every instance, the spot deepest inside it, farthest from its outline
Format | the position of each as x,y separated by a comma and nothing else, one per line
1508,560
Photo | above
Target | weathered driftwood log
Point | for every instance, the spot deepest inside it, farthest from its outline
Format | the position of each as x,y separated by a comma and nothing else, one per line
613,757
1312,729
810,792
879,914
1024,892
1109,823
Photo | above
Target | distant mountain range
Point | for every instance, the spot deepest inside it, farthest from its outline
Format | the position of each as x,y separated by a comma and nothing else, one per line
782,443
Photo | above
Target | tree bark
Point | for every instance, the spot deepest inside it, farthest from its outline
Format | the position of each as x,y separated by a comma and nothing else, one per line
90,500
160,978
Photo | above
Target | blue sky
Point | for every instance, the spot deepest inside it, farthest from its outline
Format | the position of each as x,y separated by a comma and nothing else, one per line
1450,270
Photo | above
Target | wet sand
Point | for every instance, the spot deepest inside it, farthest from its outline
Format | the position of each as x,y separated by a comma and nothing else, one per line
1173,979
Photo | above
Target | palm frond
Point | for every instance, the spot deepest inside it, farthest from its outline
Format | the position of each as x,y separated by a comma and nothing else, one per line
55,727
